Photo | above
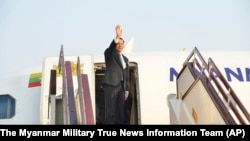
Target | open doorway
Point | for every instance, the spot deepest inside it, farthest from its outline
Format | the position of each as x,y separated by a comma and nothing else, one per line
132,103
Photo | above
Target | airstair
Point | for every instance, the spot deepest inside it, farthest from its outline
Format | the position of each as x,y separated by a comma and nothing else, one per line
204,96
67,99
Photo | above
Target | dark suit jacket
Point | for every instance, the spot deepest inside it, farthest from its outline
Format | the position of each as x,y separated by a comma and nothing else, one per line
114,70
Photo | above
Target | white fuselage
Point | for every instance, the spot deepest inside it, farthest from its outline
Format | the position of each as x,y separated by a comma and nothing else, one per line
157,73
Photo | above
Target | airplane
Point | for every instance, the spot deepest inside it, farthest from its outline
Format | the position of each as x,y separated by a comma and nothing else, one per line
163,89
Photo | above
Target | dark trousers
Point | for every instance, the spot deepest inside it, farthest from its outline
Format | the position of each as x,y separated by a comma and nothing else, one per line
114,104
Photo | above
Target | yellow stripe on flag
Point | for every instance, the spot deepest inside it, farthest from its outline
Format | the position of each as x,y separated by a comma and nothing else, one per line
35,75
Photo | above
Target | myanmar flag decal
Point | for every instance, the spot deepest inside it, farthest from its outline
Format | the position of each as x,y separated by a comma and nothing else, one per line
35,79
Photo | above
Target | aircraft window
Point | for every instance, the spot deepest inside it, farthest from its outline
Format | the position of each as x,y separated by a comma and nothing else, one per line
7,104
